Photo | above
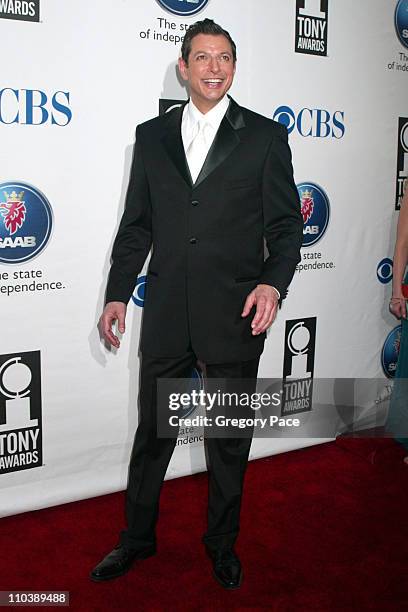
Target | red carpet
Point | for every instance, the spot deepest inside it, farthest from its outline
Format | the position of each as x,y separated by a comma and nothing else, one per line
323,528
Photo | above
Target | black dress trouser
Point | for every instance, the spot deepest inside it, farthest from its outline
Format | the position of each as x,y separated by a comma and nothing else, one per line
151,455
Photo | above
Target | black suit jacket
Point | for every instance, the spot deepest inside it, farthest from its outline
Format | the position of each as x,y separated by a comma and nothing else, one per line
207,237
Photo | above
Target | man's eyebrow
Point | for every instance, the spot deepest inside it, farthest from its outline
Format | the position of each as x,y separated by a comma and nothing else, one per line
221,52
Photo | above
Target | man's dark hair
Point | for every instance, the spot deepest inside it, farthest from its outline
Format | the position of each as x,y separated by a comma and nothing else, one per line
207,26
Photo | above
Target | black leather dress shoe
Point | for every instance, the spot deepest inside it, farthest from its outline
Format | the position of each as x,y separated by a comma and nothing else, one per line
227,568
118,562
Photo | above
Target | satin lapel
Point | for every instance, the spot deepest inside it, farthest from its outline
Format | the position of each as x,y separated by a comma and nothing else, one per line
225,141
174,144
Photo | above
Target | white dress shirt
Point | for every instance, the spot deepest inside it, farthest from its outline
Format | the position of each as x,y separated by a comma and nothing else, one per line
192,122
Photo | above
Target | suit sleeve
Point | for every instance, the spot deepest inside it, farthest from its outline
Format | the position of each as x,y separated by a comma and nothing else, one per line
134,238
283,223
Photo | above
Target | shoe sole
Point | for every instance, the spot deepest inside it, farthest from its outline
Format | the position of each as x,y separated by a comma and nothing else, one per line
142,555
229,588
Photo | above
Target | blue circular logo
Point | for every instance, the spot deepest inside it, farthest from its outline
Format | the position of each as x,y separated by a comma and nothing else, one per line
196,383
25,222
384,270
185,8
390,351
138,296
285,116
401,21
315,207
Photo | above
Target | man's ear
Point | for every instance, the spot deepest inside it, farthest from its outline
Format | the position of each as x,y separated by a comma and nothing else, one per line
183,68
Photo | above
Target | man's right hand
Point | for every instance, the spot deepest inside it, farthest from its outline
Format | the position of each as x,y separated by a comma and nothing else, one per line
113,311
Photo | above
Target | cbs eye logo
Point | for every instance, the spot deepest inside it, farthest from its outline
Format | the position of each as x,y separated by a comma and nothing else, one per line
384,271
312,122
138,296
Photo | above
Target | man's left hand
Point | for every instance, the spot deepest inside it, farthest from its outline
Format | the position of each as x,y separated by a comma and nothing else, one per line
265,297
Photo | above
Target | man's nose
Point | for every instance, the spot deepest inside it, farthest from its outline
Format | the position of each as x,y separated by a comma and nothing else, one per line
214,65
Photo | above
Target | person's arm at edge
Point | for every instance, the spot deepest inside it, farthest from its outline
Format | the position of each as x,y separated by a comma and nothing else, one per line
131,247
397,302
283,233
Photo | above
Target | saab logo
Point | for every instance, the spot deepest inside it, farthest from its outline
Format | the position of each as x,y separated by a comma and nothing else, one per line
166,105
402,160
183,7
34,107
20,412
298,365
14,211
401,21
384,270
22,10
311,27
314,122
25,222
390,351
315,208
138,296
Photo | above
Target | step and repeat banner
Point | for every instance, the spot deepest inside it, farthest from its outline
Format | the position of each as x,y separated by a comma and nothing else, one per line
76,79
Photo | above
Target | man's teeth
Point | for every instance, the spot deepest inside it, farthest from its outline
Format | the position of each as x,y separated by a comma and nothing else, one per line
213,80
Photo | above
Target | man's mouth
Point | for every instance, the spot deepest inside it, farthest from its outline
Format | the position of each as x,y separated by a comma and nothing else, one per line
213,83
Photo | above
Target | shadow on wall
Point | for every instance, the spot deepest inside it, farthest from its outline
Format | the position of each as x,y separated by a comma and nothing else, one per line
173,88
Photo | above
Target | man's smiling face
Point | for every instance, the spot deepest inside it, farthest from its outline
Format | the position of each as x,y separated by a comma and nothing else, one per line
210,70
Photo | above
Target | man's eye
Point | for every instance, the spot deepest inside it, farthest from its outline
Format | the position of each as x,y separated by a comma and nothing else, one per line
201,57
225,58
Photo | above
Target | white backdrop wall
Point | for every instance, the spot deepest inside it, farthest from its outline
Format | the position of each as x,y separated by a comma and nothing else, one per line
110,75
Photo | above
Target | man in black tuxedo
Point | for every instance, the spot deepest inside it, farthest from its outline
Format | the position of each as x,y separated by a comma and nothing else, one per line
209,183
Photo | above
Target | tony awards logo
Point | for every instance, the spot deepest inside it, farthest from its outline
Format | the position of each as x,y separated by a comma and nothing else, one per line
298,344
20,412
311,27
15,381
298,365
402,161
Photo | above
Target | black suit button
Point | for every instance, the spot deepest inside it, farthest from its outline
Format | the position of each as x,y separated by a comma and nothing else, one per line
193,240
195,203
